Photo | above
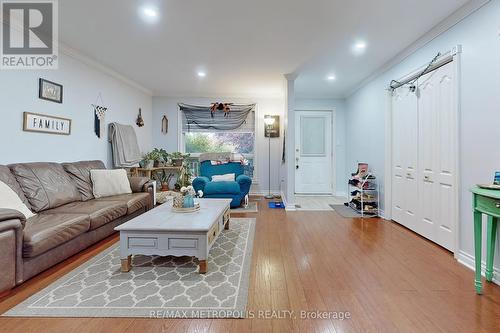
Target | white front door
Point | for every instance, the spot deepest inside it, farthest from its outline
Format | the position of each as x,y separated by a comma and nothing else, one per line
313,152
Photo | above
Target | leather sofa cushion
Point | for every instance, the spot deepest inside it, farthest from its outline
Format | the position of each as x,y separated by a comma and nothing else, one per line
80,173
99,212
222,188
8,178
134,201
46,231
45,185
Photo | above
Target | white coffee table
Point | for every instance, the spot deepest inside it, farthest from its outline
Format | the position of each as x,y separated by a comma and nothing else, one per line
163,232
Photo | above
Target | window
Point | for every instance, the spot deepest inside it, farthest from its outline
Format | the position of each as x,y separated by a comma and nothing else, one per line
205,138
218,142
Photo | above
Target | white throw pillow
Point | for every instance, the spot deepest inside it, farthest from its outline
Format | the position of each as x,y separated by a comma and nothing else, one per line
228,177
106,183
10,200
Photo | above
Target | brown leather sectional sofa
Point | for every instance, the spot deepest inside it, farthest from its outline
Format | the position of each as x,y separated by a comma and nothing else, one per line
68,220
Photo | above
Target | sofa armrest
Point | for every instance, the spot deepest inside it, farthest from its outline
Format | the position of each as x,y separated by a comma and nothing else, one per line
199,183
137,184
143,184
151,189
11,214
12,224
245,182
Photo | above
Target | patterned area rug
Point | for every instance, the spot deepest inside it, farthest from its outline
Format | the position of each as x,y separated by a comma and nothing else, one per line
251,208
167,287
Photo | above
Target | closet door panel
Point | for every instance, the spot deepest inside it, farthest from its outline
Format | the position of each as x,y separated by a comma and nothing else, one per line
427,153
404,157
446,157
424,156
437,150
397,158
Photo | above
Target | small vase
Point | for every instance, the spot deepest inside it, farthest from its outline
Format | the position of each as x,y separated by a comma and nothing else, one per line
148,164
188,201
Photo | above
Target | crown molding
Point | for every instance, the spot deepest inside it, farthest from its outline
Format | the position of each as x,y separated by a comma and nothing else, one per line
456,17
79,56
220,96
291,76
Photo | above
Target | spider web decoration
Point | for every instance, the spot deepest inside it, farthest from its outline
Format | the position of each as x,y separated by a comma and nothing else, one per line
206,117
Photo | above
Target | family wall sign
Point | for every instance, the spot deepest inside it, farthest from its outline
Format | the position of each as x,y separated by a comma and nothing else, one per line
34,122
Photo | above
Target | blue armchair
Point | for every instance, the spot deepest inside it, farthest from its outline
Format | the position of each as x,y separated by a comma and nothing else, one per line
236,190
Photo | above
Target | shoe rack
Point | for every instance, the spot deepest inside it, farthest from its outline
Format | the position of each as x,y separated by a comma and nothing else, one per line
364,198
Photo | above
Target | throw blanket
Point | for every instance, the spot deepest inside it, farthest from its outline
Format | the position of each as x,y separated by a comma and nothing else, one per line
126,153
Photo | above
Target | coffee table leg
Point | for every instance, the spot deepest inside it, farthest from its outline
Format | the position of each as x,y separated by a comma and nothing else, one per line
226,226
203,266
126,264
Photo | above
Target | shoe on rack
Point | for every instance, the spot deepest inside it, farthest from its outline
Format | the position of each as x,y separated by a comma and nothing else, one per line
354,182
362,171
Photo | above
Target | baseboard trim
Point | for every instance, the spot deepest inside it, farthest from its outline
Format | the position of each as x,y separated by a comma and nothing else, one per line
262,193
468,261
341,194
287,207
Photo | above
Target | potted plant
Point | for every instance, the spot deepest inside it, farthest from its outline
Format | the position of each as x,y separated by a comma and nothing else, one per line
160,156
178,158
164,156
184,179
165,181
148,160
155,156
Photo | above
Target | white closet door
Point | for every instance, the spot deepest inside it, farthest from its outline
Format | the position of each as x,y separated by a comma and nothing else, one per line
404,184
437,148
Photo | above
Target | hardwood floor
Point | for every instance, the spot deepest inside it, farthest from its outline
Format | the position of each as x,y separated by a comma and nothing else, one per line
388,278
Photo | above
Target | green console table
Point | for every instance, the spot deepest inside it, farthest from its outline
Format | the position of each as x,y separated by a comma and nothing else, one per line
485,202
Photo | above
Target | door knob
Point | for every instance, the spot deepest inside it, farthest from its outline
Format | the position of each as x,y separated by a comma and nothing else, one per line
296,167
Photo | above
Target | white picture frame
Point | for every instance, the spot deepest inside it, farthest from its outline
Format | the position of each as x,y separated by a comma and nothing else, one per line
40,123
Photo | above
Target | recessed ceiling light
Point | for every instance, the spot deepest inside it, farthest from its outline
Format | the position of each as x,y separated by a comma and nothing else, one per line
359,47
202,74
331,77
150,12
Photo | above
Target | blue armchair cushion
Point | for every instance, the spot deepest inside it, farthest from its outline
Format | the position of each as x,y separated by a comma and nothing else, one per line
222,188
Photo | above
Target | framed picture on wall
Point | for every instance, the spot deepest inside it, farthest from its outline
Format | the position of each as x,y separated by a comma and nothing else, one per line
50,91
41,123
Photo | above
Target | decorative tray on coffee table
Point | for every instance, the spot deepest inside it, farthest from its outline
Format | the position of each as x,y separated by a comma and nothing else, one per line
187,210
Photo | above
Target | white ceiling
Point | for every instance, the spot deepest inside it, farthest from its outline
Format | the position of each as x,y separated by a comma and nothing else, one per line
245,46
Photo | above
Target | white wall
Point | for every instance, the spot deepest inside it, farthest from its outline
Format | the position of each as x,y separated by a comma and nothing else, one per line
480,110
82,83
265,106
339,106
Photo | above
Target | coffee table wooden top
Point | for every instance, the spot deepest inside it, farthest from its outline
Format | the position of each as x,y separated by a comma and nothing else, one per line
162,218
